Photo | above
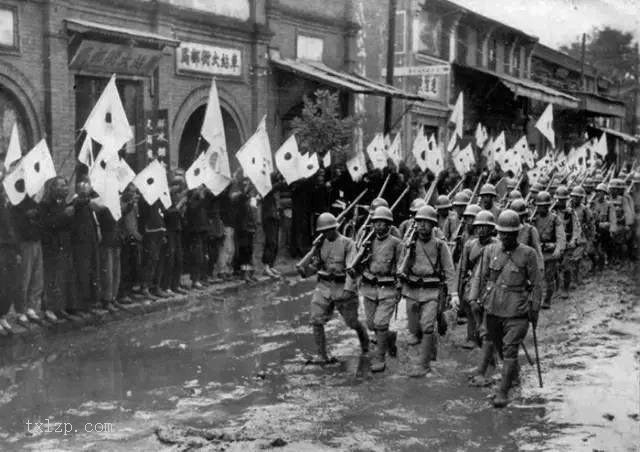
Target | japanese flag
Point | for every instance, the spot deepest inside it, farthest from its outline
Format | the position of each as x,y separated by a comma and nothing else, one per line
545,125
85,156
255,158
499,149
512,161
395,150
198,172
212,131
534,175
107,123
15,186
357,165
153,185
38,168
435,161
289,160
420,149
545,162
457,116
309,164
601,146
376,152
453,142
463,160
481,135
488,154
14,153
124,174
522,148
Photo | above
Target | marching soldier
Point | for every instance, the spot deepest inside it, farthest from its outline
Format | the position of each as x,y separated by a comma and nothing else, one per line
443,206
589,186
621,229
528,234
573,235
488,196
460,201
484,227
584,244
553,241
468,218
534,190
335,289
604,216
426,267
378,284
377,202
507,285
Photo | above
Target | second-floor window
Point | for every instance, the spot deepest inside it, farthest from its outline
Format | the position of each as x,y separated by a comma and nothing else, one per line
429,34
492,54
8,28
516,62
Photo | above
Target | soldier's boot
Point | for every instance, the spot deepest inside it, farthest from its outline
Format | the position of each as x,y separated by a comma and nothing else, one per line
488,356
422,366
363,337
378,362
509,369
392,337
321,356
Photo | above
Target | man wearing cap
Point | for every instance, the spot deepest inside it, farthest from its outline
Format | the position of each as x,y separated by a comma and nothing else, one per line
425,270
507,285
335,288
488,196
573,234
584,244
604,216
443,206
553,242
378,284
484,226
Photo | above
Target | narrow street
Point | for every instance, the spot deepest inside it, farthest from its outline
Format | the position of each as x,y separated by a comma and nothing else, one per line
231,375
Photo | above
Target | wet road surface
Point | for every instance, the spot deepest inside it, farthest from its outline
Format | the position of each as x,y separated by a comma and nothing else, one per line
231,375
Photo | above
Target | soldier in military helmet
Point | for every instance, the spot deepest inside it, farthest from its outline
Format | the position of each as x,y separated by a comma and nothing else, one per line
484,227
488,196
452,225
584,245
507,285
528,234
604,216
335,288
553,242
534,190
573,233
363,231
589,186
425,269
620,230
378,284
513,195
443,207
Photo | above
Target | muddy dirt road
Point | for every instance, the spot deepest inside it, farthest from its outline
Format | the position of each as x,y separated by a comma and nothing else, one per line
231,375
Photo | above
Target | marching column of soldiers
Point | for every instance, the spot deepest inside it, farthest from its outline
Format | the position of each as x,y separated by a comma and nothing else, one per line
492,262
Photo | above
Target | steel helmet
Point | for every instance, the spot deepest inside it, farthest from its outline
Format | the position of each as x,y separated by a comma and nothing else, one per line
535,188
427,213
382,213
484,218
461,199
467,191
515,194
519,206
589,183
562,192
598,179
616,183
416,204
471,210
443,202
488,189
511,184
377,203
578,192
326,221
602,187
508,221
543,198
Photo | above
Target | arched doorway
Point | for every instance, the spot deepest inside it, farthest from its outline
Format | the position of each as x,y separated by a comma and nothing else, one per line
11,112
191,132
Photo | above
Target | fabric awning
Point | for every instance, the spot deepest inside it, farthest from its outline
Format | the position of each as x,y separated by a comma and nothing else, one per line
339,79
108,31
529,88
621,135
600,105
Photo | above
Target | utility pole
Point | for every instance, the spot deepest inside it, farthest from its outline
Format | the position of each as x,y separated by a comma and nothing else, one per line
634,118
391,50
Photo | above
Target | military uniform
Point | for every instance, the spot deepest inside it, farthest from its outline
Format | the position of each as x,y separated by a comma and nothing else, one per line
553,242
450,225
585,242
620,229
530,236
469,261
378,289
574,248
603,216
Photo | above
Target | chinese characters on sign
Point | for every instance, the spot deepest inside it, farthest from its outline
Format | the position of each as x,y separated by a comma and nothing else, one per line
156,135
207,59
102,56
430,86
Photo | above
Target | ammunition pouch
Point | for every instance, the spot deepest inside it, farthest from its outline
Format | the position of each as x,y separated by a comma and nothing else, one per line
422,282
332,277
375,280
